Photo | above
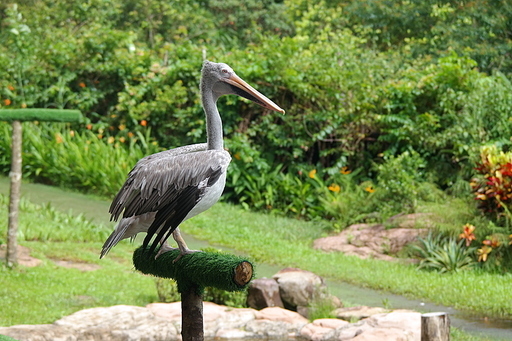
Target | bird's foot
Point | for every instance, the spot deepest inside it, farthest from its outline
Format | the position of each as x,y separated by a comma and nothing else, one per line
163,249
184,253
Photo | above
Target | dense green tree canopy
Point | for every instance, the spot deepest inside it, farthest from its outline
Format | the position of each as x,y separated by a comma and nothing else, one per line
362,81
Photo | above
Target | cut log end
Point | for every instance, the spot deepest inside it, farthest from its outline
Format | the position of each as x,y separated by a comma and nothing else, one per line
243,273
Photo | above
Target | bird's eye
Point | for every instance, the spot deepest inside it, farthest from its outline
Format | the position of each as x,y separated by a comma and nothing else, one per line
225,71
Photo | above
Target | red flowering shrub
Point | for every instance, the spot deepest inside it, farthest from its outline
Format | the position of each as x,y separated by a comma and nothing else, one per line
493,184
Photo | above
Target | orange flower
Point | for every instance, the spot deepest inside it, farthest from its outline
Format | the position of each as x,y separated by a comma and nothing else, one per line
122,139
82,85
7,101
312,173
58,138
237,156
10,87
345,171
468,234
130,134
143,123
334,188
89,126
492,242
369,189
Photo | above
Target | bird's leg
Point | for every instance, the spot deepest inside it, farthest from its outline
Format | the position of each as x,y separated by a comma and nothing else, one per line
184,250
164,248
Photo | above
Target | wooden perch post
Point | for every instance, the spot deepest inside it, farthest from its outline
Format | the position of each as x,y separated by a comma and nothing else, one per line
16,116
435,327
193,273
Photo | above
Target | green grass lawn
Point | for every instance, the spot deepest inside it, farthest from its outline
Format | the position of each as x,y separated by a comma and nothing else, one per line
45,293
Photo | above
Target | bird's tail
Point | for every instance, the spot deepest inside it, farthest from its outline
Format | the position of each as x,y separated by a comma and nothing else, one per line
127,228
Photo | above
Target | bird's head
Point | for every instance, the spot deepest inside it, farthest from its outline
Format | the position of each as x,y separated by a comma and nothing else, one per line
222,80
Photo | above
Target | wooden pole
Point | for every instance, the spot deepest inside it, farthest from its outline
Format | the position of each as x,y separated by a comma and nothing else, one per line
192,328
14,196
16,116
435,327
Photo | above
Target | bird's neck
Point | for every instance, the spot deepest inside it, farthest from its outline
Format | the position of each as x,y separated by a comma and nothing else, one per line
214,135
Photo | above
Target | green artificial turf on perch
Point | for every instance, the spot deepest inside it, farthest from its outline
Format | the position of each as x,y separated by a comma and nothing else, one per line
196,270
35,114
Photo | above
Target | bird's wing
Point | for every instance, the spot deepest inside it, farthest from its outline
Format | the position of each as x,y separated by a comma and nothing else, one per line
169,183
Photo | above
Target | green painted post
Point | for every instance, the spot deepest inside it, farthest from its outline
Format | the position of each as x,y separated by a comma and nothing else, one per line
16,116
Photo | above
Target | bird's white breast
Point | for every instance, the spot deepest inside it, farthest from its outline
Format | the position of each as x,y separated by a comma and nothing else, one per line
210,197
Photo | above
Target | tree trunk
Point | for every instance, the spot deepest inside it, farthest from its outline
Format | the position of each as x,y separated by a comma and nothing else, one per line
14,196
435,327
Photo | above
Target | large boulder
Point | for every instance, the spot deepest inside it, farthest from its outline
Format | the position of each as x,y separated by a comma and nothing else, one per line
262,293
299,287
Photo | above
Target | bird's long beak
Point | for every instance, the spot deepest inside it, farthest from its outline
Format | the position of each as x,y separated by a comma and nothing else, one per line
245,90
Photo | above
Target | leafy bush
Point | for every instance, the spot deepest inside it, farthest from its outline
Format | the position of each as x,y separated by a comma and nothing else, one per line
492,186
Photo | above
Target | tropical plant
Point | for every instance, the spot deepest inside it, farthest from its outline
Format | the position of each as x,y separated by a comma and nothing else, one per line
492,187
444,254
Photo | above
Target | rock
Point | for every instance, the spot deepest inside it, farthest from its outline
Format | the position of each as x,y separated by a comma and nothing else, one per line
262,293
299,287
400,325
162,321
375,241
352,314
321,329
117,323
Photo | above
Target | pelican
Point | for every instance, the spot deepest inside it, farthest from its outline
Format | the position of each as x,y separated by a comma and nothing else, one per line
167,188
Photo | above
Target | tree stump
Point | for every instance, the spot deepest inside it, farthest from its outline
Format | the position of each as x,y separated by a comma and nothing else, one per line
435,327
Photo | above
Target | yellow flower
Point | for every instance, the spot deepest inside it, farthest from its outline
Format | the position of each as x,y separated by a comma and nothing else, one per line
122,127
111,139
130,134
72,133
483,253
334,188
345,171
122,139
237,156
312,173
58,138
369,189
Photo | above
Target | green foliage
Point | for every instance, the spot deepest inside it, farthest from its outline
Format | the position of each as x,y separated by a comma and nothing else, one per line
58,155
167,290
492,186
46,224
444,255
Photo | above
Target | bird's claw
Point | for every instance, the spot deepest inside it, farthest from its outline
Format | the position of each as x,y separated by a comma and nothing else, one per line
184,253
